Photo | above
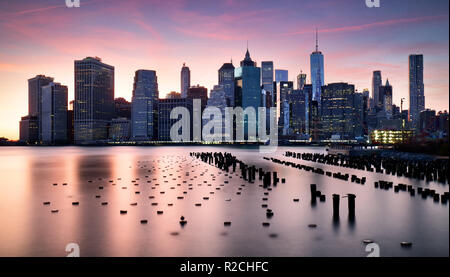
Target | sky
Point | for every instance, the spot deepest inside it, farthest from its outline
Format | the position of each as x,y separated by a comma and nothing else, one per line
45,37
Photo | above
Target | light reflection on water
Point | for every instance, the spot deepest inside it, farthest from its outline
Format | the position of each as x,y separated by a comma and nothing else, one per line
28,228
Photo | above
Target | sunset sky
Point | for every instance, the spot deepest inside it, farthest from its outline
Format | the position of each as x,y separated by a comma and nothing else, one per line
45,37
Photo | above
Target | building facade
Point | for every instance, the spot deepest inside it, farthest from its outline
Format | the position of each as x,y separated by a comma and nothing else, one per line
185,80
226,79
35,85
144,105
165,107
54,114
416,89
317,72
339,116
94,100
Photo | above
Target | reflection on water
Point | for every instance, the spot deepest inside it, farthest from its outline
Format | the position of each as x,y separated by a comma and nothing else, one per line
155,179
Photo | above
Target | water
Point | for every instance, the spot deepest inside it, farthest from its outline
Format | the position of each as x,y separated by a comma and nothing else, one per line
29,228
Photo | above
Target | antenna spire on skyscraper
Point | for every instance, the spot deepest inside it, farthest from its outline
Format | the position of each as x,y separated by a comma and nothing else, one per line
317,40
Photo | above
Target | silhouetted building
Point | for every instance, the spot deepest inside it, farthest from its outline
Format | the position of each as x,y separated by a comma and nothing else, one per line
226,79
29,130
144,112
120,129
185,80
248,89
35,85
198,92
416,89
301,80
376,83
286,89
173,95
122,108
427,121
339,117
385,98
442,123
165,107
268,83
94,100
217,99
54,113
317,72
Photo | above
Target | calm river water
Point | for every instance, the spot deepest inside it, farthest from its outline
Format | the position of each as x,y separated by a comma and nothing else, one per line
144,180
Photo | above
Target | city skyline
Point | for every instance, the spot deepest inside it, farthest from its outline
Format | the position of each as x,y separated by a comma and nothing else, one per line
201,52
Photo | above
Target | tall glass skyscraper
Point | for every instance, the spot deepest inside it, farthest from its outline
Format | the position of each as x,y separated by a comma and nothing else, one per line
94,100
267,81
317,72
376,104
185,80
385,98
35,99
286,89
218,99
144,107
416,89
226,79
247,88
54,113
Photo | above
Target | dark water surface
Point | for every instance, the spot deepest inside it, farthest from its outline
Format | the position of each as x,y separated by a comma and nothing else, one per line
29,228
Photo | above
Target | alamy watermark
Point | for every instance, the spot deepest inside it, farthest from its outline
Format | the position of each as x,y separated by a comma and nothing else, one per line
373,3
73,3
73,249
250,125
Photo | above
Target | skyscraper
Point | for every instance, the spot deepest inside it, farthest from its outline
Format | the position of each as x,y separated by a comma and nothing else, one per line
35,99
94,100
286,89
144,107
185,80
54,113
218,99
376,83
416,89
247,88
267,80
301,80
385,98
339,117
165,123
281,75
226,79
317,72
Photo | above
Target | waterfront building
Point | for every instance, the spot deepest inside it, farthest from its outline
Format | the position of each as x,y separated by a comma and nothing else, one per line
185,80
144,116
165,107
94,100
416,89
317,72
122,108
35,85
218,99
226,80
339,117
120,129
376,104
248,89
54,113
29,129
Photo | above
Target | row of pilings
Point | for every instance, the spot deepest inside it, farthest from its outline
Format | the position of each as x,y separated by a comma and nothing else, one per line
435,170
